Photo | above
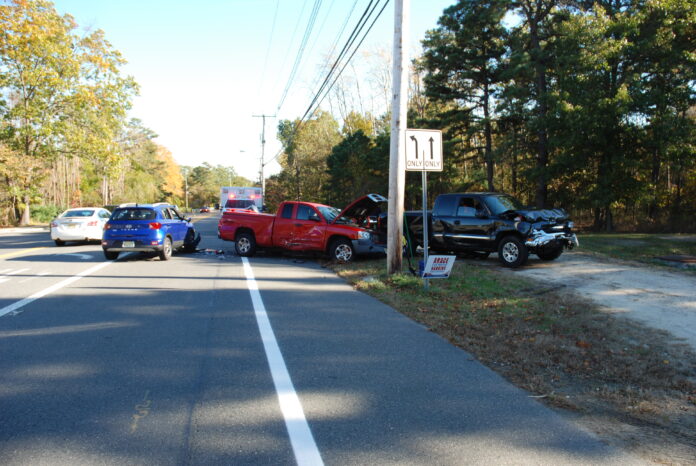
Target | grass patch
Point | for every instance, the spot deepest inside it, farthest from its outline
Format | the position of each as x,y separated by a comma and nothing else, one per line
639,247
553,344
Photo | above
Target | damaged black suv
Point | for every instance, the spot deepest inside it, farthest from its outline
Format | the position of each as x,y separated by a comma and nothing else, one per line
481,223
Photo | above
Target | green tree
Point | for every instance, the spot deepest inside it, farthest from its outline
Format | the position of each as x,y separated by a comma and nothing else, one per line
463,59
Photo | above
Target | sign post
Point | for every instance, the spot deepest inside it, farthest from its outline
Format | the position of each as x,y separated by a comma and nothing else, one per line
424,154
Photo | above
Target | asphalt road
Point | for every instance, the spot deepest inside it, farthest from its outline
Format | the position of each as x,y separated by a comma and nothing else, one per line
142,361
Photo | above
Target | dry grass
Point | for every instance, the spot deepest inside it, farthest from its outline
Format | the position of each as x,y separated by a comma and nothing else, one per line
625,381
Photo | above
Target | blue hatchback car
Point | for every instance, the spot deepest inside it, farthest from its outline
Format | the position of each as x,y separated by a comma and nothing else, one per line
158,228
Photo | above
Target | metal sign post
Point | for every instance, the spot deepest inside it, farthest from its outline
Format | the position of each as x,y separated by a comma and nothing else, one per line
426,283
424,154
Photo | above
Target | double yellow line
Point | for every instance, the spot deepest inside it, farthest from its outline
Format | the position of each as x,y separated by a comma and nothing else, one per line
19,253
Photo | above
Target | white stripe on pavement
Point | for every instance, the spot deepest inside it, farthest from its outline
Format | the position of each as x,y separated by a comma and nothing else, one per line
13,308
303,445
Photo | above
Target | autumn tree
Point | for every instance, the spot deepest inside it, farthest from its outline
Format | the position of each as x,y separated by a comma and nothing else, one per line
63,93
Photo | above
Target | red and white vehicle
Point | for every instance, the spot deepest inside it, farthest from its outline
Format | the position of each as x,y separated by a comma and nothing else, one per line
240,197
305,226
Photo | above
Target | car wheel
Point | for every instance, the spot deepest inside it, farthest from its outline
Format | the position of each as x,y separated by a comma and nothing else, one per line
550,254
111,255
59,242
245,245
166,251
341,250
512,252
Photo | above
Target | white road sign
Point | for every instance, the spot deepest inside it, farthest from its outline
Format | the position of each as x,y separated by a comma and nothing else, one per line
424,150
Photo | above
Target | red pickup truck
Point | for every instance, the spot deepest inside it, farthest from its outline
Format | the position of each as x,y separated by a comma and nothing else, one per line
305,226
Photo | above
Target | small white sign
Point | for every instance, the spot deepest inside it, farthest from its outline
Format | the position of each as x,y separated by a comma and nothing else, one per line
424,150
438,266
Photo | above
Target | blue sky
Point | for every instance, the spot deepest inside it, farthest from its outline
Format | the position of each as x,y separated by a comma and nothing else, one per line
206,67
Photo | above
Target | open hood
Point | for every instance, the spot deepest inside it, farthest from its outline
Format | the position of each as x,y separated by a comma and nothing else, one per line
371,205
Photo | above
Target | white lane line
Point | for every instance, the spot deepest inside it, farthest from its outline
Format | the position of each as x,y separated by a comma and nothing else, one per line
40,274
6,276
301,438
14,307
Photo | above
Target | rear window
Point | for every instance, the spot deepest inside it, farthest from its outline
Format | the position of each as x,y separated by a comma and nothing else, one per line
134,213
78,213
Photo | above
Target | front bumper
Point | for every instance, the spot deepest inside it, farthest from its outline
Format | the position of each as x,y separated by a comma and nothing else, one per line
367,246
542,239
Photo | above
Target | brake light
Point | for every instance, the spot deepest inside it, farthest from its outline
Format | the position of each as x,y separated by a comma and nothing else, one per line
155,225
252,196
107,226
231,196
54,224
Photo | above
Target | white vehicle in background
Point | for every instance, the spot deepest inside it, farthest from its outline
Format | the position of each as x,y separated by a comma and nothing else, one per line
80,224
240,197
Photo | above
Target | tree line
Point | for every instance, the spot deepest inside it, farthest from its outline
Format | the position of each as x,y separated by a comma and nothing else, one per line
589,105
65,136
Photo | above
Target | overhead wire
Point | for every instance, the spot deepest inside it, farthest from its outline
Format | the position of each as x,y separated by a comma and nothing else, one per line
268,50
318,98
298,59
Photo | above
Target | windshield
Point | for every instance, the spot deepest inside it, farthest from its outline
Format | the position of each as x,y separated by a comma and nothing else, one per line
329,213
502,203
238,203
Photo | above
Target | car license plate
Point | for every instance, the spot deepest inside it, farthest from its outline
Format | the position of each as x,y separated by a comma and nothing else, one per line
128,244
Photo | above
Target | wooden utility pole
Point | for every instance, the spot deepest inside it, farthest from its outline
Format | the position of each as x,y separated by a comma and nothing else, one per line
397,155
263,149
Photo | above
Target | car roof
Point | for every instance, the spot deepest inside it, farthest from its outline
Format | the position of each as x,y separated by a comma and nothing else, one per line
145,206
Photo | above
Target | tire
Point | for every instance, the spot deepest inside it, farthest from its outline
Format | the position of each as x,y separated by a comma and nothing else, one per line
191,241
550,254
245,245
110,255
166,251
512,252
341,250
59,242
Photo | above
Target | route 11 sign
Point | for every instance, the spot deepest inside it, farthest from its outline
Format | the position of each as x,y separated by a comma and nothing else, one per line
424,150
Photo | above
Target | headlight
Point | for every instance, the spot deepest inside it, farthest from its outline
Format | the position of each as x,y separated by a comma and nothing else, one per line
571,225
363,235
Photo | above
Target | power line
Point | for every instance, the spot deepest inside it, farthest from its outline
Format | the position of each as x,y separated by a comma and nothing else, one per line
300,52
318,98
268,50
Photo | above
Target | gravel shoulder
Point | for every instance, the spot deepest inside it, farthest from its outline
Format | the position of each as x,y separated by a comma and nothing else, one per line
653,296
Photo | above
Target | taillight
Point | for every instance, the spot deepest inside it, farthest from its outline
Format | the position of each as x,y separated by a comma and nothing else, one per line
107,226
54,224
155,225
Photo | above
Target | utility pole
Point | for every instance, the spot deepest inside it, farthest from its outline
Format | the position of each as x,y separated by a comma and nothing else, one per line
263,149
186,187
397,149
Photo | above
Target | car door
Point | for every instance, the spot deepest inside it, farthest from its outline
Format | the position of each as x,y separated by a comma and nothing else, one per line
283,228
179,226
471,225
309,228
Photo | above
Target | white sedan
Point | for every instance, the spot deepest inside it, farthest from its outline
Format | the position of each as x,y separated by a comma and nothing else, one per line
81,224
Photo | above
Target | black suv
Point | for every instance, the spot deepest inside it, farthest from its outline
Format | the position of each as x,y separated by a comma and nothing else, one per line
481,223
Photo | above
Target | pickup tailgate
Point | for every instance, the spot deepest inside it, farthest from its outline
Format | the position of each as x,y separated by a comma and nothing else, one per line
261,225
